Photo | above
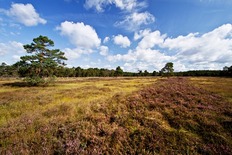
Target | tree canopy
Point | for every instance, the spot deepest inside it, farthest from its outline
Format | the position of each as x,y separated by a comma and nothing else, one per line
42,61
118,71
167,70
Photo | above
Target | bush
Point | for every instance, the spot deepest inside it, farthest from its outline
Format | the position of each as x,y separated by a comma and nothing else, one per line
39,81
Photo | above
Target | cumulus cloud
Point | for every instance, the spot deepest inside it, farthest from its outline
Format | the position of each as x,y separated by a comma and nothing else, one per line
11,51
212,50
142,59
211,47
24,14
104,50
129,57
122,41
80,35
76,52
135,20
151,39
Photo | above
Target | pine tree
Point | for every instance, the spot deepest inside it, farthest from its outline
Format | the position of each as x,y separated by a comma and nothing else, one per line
42,61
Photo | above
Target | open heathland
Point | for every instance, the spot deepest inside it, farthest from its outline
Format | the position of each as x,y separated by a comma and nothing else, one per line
117,116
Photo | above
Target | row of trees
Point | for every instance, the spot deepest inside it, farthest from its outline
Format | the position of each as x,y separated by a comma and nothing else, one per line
213,73
44,63
17,70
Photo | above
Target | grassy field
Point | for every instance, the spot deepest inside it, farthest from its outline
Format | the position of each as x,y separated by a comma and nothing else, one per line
117,116
221,86
68,98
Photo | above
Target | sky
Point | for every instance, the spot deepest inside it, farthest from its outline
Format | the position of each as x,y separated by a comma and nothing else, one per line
133,34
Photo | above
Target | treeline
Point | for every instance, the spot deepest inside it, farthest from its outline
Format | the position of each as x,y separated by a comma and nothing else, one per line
16,71
213,73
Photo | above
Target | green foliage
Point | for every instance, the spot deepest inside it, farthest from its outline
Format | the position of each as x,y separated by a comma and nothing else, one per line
167,70
42,61
118,71
154,73
146,73
7,70
228,71
37,81
22,69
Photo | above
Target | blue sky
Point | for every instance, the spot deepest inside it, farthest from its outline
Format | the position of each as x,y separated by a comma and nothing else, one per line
133,34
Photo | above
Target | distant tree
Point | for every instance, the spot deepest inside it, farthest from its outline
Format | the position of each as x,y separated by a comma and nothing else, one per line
78,71
118,71
146,73
40,65
3,64
230,71
167,70
140,72
3,69
154,73
226,68
8,70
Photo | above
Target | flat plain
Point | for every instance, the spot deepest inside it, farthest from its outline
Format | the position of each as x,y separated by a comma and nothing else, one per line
117,116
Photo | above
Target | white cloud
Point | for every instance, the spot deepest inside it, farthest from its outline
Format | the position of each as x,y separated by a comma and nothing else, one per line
11,51
11,47
125,5
97,4
140,34
107,39
24,14
71,53
129,57
76,52
182,43
214,47
80,35
212,50
104,50
151,39
142,59
135,20
122,41
17,46
16,58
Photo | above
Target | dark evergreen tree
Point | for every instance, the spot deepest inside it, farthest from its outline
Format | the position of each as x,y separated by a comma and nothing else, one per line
118,71
42,61
146,73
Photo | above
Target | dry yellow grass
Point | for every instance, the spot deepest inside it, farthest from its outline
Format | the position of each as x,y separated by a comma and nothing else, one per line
69,98
221,86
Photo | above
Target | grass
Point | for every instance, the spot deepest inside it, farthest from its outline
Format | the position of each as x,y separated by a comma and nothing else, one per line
117,116
74,93
221,86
